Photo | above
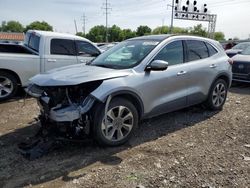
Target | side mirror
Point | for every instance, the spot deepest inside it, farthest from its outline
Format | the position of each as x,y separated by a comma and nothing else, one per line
157,65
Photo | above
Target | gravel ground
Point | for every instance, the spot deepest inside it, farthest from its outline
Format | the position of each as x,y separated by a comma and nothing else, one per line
188,148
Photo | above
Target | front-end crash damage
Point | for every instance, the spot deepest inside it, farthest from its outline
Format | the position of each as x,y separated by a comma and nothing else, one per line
66,114
66,108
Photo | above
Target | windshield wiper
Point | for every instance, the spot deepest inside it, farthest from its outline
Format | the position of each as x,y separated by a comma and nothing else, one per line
103,65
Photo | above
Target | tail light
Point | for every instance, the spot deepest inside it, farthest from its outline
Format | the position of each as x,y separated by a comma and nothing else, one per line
230,61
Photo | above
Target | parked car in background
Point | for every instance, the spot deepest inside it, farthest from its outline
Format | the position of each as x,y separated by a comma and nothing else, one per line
241,66
42,51
136,79
237,49
106,47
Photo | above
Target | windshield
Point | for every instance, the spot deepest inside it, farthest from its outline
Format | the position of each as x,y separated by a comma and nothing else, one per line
126,54
246,51
241,46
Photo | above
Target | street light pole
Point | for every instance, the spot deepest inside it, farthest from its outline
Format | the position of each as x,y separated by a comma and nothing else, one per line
172,18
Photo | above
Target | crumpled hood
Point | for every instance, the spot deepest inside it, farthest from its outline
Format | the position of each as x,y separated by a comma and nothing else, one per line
242,58
76,74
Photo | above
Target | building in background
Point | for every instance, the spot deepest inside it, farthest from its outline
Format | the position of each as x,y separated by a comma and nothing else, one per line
8,37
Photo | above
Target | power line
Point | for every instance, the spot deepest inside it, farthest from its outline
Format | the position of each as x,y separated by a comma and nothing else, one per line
107,8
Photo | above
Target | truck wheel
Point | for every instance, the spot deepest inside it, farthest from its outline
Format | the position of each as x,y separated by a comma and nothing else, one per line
8,85
122,120
217,95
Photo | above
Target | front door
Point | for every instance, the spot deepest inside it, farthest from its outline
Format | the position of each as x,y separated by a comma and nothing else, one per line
166,90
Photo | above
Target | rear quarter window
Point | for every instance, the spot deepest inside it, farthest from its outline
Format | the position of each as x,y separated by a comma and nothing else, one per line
212,51
196,50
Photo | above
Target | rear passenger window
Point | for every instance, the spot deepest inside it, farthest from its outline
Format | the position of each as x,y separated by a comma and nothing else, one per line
196,50
172,53
62,47
211,49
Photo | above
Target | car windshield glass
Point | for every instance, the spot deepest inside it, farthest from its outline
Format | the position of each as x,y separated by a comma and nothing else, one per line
126,54
241,46
246,51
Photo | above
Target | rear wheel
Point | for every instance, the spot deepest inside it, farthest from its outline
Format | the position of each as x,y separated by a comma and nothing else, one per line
8,85
120,123
217,95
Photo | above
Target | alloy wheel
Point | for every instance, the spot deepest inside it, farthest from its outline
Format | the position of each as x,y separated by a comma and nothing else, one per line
219,94
119,123
6,87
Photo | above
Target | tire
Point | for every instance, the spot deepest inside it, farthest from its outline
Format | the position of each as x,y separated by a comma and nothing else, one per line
116,122
217,95
8,85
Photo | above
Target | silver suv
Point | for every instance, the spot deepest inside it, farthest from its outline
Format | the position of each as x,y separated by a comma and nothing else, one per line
136,79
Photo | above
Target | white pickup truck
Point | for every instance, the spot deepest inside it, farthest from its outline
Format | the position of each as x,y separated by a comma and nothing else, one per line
40,52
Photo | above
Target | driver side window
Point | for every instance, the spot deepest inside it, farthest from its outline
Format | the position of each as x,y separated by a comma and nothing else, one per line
171,53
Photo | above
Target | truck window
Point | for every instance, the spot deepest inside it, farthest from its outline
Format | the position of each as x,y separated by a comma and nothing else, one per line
62,47
9,48
34,42
86,49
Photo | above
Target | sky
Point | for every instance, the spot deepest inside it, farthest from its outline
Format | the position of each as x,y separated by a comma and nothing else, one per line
232,15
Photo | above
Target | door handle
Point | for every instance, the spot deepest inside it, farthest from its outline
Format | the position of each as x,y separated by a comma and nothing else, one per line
51,60
181,73
213,66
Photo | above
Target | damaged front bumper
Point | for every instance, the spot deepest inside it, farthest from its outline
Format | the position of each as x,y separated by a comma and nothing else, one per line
66,113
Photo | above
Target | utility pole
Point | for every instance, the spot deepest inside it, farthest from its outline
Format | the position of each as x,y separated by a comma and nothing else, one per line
84,19
75,26
172,17
106,7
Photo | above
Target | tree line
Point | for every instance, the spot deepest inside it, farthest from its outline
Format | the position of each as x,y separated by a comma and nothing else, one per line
115,33
15,26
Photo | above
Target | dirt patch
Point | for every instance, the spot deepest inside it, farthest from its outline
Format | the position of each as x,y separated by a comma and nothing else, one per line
189,148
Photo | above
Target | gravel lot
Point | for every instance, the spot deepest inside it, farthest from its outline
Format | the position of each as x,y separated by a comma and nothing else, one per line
188,148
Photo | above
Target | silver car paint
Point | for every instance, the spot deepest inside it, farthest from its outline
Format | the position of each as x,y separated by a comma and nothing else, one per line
76,74
156,89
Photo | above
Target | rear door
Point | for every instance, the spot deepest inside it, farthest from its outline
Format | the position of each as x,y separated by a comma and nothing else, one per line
202,69
86,51
62,53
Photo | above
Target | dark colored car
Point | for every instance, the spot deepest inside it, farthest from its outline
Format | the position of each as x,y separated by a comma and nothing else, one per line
241,66
237,49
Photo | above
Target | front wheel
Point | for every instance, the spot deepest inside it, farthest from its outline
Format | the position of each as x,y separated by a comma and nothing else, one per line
217,95
118,126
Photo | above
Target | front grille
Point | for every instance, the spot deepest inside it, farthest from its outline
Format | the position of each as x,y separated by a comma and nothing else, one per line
241,67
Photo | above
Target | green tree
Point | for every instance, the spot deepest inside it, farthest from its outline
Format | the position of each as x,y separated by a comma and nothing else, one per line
97,33
12,26
198,30
143,30
161,30
219,36
44,26
127,34
80,34
115,34
179,30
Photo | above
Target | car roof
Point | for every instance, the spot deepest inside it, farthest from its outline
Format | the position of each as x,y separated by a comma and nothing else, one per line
153,37
56,34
